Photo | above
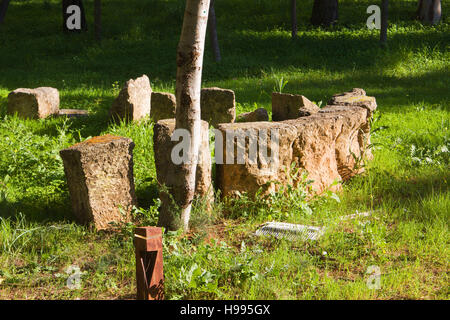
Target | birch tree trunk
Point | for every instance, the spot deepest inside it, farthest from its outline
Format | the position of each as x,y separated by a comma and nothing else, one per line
188,87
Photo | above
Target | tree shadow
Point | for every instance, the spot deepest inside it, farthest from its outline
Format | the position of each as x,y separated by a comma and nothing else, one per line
148,46
409,194
39,209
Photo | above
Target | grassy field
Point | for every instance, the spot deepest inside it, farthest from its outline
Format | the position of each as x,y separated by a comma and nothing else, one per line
406,185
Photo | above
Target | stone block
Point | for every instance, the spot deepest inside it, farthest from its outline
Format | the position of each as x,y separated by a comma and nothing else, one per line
134,100
218,106
36,103
99,173
163,106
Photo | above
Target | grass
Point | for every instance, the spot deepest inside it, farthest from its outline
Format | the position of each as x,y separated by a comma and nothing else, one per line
406,183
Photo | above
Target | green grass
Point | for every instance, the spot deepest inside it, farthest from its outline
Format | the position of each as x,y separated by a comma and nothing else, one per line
406,183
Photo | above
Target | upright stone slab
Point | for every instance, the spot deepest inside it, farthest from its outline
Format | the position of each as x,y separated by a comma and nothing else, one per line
163,106
291,106
99,173
36,103
218,106
134,100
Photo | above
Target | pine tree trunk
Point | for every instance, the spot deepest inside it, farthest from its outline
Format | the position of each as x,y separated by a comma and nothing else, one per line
212,26
429,11
325,12
294,18
3,7
188,85
384,21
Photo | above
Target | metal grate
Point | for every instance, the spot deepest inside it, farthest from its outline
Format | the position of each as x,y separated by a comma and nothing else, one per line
289,231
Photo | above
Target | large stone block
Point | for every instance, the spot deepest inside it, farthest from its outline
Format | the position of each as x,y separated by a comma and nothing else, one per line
36,103
218,106
324,144
165,168
291,106
99,173
134,100
163,106
254,155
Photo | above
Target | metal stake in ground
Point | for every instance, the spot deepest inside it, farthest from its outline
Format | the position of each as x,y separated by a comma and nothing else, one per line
149,263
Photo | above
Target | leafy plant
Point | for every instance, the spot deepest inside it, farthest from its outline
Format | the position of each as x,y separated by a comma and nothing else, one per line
280,83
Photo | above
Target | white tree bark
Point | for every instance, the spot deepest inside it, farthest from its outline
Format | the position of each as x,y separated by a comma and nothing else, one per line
188,88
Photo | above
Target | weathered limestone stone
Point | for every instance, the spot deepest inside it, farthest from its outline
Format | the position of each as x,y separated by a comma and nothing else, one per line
165,168
356,98
258,169
163,106
99,173
291,106
73,113
323,144
314,149
218,106
36,103
259,114
348,143
134,100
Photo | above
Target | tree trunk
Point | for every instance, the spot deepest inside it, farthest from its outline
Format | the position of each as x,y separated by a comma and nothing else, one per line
384,21
429,11
325,12
188,85
3,8
98,20
294,18
212,25
65,5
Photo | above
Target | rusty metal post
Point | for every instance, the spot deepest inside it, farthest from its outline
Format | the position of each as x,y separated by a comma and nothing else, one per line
149,263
